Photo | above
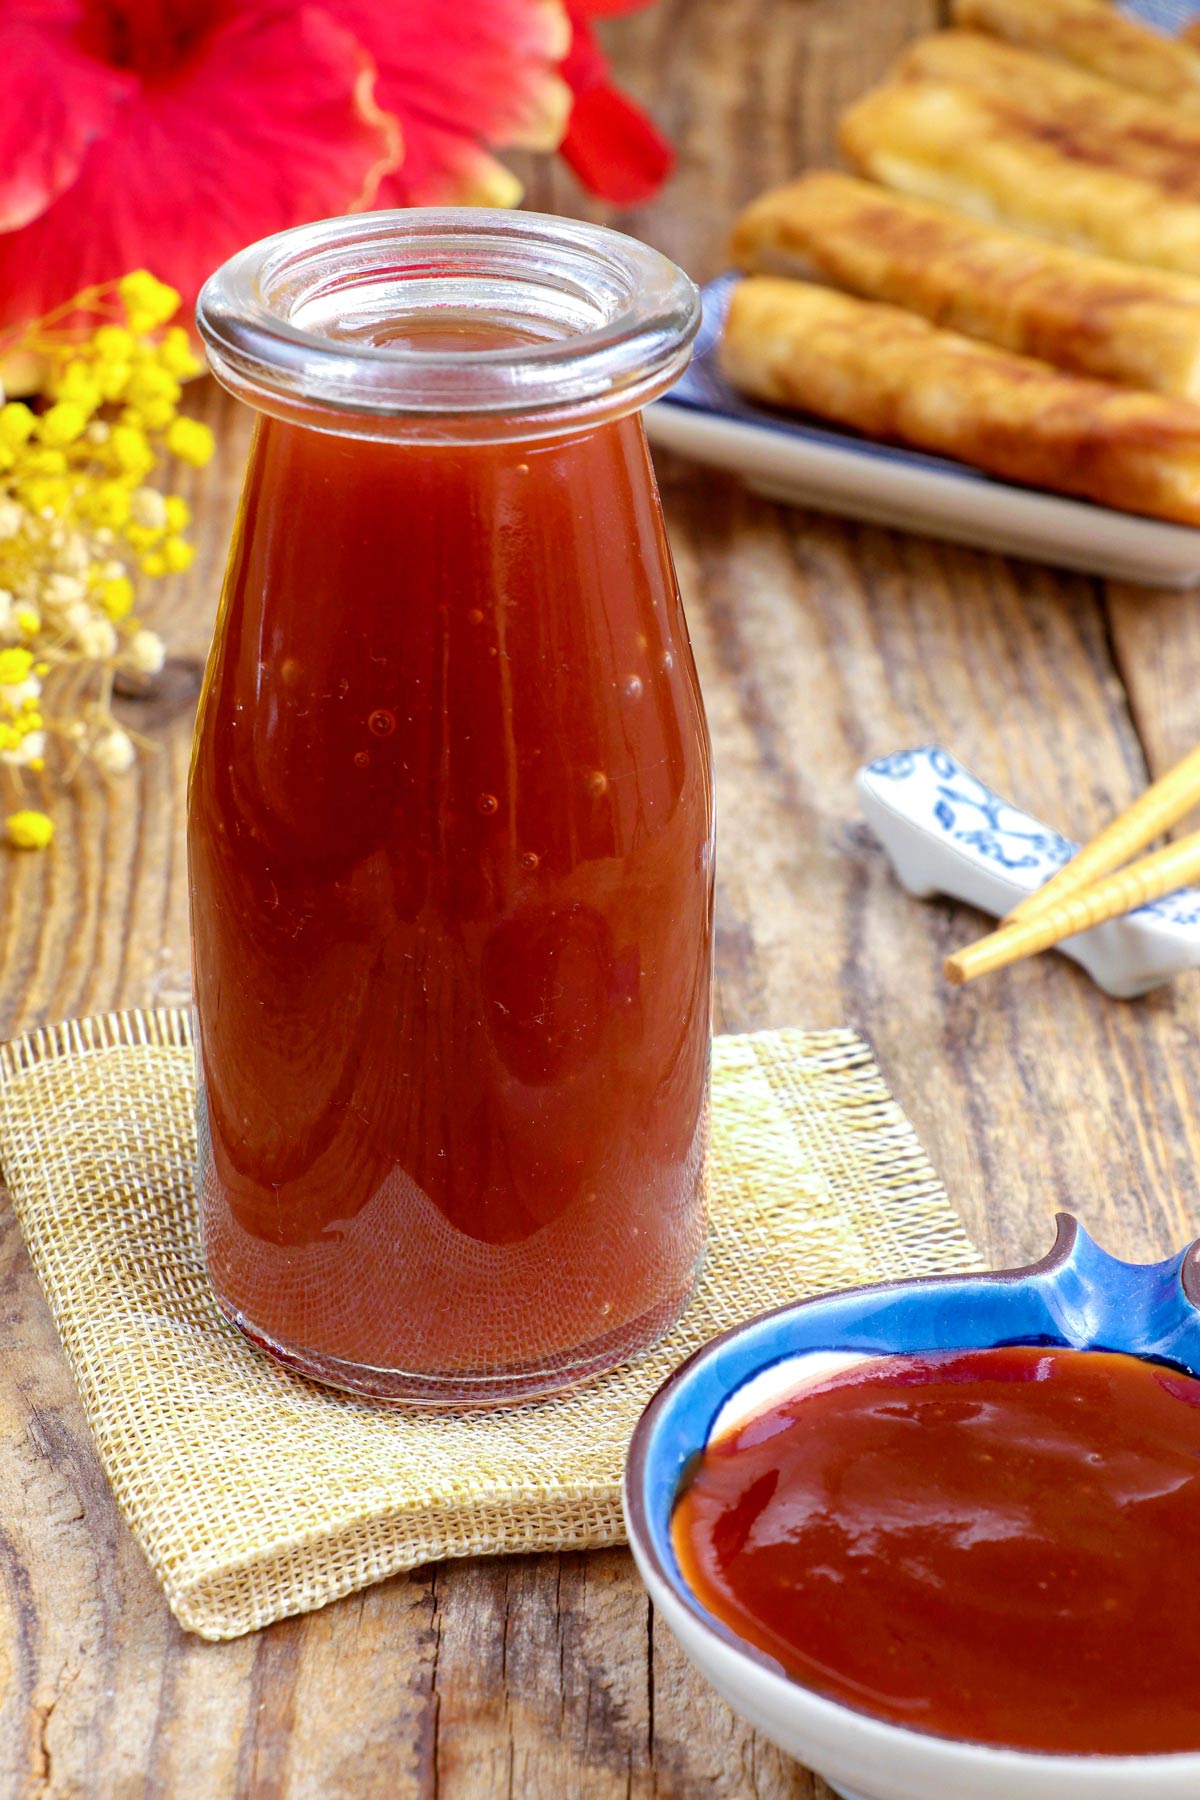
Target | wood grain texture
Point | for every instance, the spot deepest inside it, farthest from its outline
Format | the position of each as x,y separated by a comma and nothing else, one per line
820,644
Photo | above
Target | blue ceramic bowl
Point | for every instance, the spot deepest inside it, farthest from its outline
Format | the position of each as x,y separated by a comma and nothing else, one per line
1078,1297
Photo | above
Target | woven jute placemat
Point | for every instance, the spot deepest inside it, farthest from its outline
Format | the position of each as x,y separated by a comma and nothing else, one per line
255,1494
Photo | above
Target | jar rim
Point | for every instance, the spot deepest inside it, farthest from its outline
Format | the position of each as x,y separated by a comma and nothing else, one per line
610,320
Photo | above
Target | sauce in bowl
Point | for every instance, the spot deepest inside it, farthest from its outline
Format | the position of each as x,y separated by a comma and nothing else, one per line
990,1545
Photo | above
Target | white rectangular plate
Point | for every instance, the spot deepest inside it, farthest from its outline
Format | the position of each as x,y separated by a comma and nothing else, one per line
809,464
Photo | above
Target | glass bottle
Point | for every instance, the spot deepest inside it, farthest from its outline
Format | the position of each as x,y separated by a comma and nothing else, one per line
450,827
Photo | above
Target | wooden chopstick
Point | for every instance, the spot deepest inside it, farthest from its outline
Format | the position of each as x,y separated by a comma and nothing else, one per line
1162,872
1161,806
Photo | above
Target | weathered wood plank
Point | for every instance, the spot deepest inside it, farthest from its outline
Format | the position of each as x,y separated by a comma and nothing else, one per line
820,644
1156,648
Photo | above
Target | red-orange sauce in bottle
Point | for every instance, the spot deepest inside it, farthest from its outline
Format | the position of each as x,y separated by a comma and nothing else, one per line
450,844
992,1545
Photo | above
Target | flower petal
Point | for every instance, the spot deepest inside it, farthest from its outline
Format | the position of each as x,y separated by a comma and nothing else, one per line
151,35
613,147
615,150
449,170
460,77
269,123
57,101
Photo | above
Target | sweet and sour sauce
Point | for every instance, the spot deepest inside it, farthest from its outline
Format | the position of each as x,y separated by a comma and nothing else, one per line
991,1545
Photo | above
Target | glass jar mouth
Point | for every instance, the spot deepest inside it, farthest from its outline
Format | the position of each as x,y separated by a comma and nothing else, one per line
328,319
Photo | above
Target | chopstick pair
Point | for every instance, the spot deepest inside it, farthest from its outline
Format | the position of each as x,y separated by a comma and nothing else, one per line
1094,886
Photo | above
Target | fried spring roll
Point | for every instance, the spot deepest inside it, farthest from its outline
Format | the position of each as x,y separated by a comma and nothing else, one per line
892,375
970,150
1140,326
1082,114
1094,35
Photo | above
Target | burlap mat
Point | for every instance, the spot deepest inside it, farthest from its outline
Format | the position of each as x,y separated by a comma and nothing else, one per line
254,1494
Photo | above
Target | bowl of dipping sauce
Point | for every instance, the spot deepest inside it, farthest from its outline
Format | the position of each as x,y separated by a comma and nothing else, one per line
932,1538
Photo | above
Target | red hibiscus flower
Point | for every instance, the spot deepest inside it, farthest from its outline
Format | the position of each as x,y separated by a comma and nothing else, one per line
167,133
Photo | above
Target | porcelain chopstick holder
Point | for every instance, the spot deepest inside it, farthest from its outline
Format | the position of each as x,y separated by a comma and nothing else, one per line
947,832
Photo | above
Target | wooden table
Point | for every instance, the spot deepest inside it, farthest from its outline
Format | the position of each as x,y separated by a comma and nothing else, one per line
820,644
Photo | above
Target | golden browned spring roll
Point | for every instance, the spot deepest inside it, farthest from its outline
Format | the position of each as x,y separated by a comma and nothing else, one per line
1094,35
1083,114
1106,318
968,149
892,375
